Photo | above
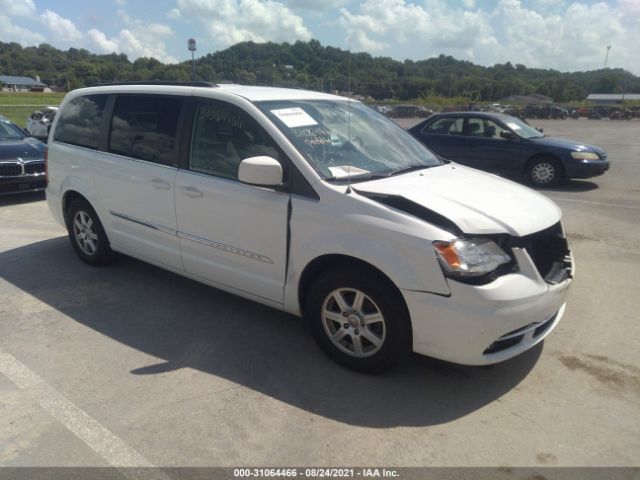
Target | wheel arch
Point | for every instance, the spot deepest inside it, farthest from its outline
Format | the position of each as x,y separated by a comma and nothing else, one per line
324,262
69,196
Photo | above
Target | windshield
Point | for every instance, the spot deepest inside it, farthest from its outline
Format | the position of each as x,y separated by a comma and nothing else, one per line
520,128
369,146
9,131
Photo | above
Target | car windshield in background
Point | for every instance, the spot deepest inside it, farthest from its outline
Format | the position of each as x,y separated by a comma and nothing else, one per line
8,131
519,127
368,146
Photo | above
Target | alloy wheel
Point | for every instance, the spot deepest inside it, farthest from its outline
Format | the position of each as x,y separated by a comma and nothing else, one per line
353,322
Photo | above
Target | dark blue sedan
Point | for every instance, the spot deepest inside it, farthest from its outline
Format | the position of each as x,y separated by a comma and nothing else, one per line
504,144
22,163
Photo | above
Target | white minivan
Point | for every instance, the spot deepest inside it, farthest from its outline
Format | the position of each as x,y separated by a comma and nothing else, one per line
316,205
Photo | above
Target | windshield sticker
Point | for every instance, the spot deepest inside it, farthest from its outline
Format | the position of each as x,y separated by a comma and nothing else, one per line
313,136
345,171
514,126
294,117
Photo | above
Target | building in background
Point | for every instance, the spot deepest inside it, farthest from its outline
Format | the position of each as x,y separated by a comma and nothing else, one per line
612,98
21,84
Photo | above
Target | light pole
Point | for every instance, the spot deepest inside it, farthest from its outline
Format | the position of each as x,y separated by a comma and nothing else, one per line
191,44
606,56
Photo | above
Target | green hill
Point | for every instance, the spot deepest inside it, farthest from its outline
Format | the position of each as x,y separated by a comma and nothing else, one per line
311,65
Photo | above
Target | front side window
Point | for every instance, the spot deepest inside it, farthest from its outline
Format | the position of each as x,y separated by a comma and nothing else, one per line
80,121
343,139
520,128
223,136
145,127
483,127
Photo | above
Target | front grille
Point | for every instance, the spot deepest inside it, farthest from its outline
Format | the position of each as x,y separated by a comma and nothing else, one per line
549,251
34,168
10,169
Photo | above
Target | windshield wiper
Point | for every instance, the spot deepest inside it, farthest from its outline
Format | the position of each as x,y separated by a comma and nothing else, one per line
408,169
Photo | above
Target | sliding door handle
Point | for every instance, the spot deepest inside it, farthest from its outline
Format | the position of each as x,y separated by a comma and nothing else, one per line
160,184
192,192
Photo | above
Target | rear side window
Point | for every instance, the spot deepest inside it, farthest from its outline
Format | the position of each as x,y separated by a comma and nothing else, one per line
144,127
446,125
80,121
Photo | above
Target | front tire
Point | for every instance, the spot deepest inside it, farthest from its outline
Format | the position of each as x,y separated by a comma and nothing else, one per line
359,319
544,172
86,234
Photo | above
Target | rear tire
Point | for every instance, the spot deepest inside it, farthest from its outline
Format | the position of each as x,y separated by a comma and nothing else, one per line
359,319
544,172
86,234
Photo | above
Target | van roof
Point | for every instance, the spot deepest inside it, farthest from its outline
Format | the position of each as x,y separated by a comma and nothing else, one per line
251,93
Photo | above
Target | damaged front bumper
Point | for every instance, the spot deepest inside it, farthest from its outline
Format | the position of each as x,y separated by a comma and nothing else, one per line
486,324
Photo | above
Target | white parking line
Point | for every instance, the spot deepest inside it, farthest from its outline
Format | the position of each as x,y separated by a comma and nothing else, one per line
100,439
592,202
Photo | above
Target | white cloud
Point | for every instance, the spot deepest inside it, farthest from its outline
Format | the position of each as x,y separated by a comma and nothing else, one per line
231,21
539,33
62,29
173,14
14,33
573,39
10,31
396,22
137,40
315,5
101,42
17,8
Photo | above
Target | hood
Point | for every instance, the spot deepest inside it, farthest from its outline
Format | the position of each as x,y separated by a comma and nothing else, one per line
568,144
27,149
476,202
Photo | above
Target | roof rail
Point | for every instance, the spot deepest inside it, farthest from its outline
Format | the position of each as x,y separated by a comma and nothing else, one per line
160,82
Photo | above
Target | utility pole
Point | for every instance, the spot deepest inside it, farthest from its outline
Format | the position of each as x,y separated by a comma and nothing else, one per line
191,44
606,56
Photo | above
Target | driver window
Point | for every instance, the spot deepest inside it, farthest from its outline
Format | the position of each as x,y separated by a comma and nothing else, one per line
492,130
484,128
223,136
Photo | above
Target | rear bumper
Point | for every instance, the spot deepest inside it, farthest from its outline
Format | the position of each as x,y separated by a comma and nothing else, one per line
482,325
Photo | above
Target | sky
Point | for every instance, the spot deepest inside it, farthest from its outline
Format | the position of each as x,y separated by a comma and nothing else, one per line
560,34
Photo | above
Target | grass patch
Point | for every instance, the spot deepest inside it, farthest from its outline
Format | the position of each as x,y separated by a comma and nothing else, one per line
30,98
12,104
17,115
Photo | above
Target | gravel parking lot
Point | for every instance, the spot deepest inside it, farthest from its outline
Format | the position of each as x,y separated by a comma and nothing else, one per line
132,365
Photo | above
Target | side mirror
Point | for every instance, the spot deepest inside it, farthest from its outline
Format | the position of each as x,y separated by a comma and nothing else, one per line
509,135
541,130
260,171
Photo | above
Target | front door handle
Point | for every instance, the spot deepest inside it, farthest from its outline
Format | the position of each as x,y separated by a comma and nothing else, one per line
192,192
160,184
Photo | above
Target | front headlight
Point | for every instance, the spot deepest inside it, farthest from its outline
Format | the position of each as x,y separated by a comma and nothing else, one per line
585,155
470,257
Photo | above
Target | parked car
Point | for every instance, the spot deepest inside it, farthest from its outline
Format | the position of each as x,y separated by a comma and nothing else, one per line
22,167
315,205
39,122
500,143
